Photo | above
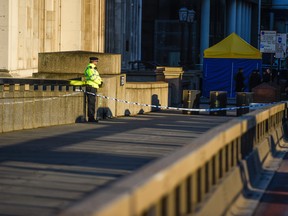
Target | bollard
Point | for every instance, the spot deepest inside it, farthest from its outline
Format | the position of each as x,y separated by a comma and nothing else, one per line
218,99
191,99
243,99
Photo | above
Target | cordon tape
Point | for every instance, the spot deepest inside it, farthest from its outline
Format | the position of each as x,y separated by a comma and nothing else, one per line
182,109
77,91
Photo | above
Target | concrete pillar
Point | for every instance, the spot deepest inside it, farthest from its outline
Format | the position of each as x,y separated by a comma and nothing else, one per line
232,17
173,75
92,24
71,25
8,36
205,27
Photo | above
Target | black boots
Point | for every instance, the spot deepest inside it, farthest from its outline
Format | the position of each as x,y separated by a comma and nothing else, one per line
92,120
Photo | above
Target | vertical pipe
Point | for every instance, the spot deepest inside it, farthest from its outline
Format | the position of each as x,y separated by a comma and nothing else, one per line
205,27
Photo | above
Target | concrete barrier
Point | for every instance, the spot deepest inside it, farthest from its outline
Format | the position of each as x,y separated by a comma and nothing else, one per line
155,93
200,179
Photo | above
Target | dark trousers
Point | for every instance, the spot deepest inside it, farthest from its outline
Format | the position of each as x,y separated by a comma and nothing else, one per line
91,99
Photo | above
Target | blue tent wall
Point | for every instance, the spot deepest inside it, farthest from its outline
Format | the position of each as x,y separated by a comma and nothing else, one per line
219,74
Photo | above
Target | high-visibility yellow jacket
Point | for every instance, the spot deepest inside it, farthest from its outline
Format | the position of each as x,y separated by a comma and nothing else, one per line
91,77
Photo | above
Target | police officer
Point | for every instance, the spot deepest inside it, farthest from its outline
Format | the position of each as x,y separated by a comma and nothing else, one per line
239,79
254,79
93,81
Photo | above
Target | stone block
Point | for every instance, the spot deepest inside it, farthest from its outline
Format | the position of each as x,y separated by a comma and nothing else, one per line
152,93
73,63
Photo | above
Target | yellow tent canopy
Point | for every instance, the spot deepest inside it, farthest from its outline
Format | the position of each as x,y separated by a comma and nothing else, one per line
233,46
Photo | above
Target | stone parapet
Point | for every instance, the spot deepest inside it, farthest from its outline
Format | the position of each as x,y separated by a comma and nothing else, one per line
33,106
27,106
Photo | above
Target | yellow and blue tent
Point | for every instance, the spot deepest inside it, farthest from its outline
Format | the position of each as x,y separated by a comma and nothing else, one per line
222,61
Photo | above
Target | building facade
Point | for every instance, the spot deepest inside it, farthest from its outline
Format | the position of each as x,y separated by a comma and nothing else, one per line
139,30
123,29
214,20
29,27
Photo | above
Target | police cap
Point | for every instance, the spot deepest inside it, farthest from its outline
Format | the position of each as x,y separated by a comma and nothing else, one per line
93,59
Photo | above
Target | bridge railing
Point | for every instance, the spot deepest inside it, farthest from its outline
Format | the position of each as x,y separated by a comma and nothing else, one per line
203,178
27,106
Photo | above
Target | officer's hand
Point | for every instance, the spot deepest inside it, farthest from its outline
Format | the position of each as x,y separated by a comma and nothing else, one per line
101,85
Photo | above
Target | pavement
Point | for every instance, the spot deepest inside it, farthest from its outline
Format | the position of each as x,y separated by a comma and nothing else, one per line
45,170
274,201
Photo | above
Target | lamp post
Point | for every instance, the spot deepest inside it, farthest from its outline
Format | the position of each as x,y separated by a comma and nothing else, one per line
186,17
190,20
259,22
